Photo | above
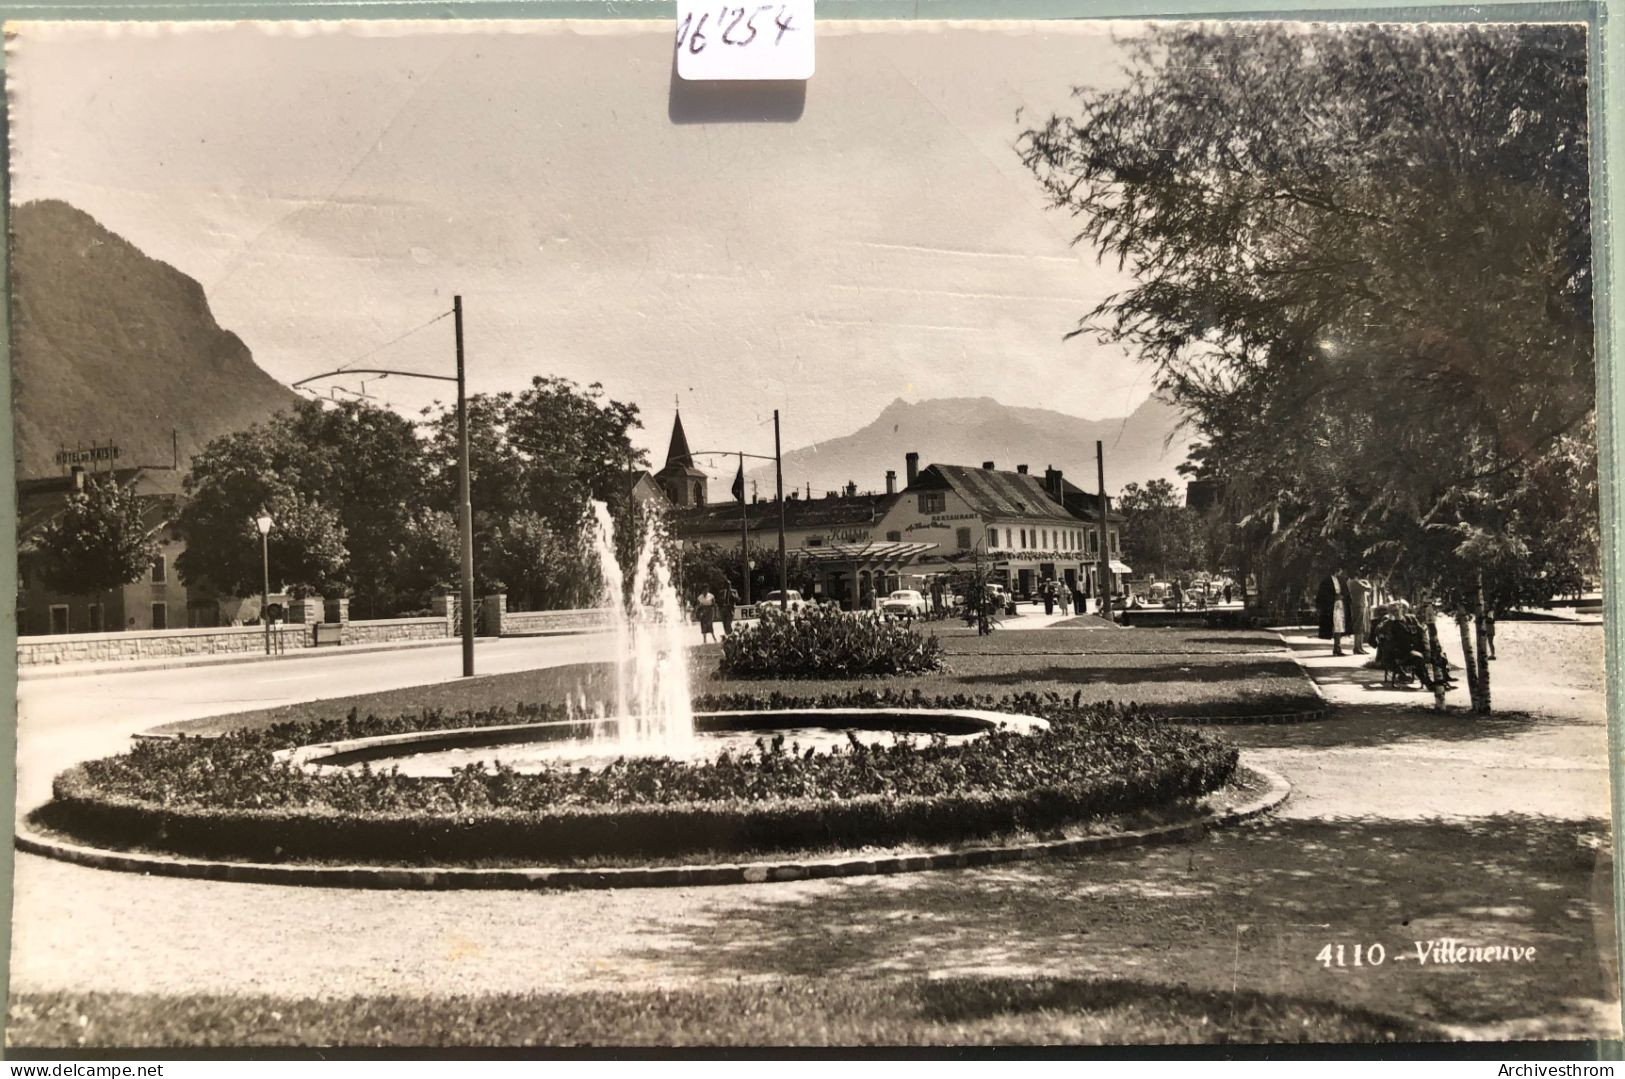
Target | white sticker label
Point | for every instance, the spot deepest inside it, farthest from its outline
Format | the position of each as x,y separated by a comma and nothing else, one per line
718,40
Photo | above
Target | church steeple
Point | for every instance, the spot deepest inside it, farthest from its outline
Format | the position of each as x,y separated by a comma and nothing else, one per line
684,484
678,453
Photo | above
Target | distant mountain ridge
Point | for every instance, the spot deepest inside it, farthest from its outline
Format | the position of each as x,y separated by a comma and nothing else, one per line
971,430
109,343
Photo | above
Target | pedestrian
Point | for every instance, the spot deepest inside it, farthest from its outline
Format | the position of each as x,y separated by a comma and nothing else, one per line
1227,595
1331,604
1360,593
1179,595
1062,594
1049,597
725,608
705,609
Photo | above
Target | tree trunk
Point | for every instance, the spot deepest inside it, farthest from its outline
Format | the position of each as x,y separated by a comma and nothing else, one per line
1467,659
1480,661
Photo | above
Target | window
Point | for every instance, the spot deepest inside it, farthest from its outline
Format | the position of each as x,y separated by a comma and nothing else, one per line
160,570
93,618
1114,541
993,537
962,536
894,536
59,618
699,494
1094,543
815,541
932,502
160,616
1023,539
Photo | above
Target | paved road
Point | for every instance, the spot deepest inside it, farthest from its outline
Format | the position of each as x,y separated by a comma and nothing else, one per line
65,720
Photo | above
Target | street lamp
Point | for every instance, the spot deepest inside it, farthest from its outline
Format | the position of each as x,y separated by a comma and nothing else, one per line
263,522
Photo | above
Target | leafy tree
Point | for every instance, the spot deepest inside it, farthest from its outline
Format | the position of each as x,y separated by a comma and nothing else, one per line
1160,535
101,540
362,467
1362,267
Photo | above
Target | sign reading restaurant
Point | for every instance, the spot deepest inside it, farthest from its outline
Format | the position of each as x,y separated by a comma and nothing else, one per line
83,456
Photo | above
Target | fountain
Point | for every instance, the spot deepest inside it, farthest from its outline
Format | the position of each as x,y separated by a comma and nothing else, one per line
649,711
652,711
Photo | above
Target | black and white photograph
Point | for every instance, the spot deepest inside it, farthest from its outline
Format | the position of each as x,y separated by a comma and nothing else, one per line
746,531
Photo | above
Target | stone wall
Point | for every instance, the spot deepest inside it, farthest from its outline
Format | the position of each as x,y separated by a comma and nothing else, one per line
383,630
155,644
222,640
522,623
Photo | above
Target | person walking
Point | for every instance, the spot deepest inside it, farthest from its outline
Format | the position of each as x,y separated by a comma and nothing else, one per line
1049,597
1179,596
1331,604
1062,594
705,609
725,607
1359,591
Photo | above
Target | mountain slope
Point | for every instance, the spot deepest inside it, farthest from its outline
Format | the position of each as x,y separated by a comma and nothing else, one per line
971,430
108,343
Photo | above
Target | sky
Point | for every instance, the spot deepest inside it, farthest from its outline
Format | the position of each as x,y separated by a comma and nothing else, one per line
333,186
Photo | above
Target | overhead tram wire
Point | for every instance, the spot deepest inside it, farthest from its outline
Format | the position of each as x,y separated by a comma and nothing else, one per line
391,342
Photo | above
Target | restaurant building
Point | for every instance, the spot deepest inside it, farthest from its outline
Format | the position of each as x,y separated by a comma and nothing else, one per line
866,544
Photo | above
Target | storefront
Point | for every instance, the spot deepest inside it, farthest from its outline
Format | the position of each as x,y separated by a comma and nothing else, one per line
847,573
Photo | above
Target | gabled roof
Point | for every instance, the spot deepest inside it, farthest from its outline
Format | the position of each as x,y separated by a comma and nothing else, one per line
40,501
723,518
993,493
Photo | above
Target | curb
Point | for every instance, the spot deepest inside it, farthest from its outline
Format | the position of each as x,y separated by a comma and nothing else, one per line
438,879
43,671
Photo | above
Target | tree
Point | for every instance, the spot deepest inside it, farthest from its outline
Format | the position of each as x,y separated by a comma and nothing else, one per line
1160,535
536,459
360,469
1362,268
101,540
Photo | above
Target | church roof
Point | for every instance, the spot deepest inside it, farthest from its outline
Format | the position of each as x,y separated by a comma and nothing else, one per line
677,453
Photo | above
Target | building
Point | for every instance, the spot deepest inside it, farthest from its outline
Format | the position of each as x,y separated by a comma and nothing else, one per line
1030,530
157,601
683,484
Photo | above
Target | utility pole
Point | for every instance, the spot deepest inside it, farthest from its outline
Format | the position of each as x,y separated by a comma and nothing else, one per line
1105,565
744,533
778,474
465,502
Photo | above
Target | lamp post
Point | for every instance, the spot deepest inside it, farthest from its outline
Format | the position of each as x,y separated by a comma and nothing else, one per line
465,512
263,522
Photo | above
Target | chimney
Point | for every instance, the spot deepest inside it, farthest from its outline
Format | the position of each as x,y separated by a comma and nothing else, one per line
891,481
913,472
988,465
1021,469
1052,483
851,488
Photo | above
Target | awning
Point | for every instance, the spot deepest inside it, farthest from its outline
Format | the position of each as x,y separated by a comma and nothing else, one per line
1118,567
863,553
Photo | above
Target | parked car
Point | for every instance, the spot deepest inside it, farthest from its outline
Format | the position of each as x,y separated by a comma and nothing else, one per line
905,602
792,600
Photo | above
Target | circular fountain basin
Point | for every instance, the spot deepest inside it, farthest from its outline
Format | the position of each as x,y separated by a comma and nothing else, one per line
534,747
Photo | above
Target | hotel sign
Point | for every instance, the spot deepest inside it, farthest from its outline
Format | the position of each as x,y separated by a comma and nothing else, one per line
83,456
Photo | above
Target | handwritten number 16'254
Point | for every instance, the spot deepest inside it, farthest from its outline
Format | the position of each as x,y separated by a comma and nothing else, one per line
729,19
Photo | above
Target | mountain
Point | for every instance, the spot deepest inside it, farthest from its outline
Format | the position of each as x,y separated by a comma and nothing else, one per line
108,343
971,430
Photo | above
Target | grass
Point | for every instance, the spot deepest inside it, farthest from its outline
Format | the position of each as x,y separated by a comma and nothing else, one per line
1185,673
803,1011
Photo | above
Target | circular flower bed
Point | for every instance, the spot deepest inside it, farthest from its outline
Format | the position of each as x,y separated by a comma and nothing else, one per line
822,642
236,797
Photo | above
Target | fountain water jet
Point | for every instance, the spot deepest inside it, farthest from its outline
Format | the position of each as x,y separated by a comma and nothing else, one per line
653,712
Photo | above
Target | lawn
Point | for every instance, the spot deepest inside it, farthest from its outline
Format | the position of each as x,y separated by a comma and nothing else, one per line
801,1011
1187,673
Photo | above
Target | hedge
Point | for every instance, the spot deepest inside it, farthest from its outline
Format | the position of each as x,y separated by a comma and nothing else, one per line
225,798
822,642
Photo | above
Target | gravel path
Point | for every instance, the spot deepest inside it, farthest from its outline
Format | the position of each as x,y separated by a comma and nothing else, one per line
1405,826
